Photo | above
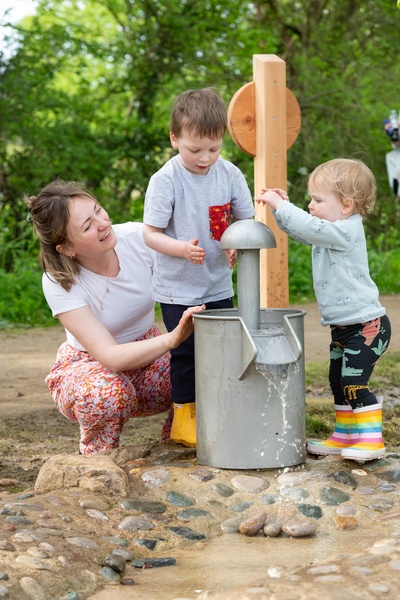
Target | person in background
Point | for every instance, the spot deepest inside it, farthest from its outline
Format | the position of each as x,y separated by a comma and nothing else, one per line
342,192
97,280
391,126
189,204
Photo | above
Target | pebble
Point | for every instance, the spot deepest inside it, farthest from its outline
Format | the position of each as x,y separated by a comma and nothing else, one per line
135,523
187,533
294,478
30,562
149,544
178,499
248,483
252,525
97,514
310,510
201,474
155,477
333,496
192,513
294,493
143,505
241,506
76,530
344,477
223,490
231,525
149,563
32,588
83,543
94,502
299,529
272,529
345,522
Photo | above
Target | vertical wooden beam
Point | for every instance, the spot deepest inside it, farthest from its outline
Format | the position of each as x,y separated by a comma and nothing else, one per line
270,170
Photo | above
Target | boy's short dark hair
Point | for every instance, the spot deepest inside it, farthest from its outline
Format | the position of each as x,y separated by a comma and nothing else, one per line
201,112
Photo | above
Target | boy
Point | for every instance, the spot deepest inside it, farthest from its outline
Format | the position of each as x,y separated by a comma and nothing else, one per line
189,203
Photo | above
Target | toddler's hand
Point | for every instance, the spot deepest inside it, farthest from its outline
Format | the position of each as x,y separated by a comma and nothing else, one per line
193,253
272,197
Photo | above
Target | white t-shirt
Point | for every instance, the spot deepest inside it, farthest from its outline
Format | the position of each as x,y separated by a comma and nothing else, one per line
128,308
186,207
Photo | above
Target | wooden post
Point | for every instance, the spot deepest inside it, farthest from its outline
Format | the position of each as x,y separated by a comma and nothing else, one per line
264,121
270,170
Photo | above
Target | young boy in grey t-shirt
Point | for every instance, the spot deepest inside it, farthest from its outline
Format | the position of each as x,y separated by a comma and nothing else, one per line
189,203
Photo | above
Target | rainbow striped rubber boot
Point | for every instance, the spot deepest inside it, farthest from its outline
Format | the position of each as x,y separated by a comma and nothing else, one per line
370,443
344,435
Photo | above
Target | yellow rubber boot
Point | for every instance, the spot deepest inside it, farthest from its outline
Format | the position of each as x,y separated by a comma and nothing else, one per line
183,430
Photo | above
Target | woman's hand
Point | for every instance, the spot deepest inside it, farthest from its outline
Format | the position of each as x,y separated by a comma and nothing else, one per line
185,326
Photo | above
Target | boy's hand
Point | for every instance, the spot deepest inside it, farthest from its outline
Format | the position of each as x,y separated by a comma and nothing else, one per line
231,257
193,253
272,197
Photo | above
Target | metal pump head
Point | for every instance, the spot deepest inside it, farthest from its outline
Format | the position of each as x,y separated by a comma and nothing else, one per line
248,237
247,234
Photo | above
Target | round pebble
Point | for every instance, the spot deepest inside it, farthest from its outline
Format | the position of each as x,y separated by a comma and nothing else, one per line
299,528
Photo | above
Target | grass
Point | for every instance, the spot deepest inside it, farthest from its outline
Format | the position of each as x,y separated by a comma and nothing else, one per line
386,375
320,415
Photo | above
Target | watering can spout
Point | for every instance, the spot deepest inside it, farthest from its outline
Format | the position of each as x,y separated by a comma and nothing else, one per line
270,346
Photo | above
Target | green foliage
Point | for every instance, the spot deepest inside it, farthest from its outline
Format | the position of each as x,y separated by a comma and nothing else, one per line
87,95
22,299
300,275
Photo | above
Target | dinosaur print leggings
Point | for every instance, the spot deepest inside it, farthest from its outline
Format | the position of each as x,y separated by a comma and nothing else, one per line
102,401
354,352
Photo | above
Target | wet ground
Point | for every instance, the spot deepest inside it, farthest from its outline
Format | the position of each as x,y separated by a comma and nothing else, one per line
359,560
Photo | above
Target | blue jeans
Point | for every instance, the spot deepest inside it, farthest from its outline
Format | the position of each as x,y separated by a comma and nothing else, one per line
182,358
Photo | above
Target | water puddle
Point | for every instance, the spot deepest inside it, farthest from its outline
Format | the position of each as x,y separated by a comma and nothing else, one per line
232,560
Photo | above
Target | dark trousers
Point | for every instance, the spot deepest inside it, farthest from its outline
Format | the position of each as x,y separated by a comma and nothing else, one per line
354,352
182,358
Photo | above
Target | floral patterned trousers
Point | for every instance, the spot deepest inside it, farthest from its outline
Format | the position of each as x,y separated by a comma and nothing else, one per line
102,401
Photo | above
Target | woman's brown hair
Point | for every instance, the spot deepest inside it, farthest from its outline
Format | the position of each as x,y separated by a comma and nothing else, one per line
50,217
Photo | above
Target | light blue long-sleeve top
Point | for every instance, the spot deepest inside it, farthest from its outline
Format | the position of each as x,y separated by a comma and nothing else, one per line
345,292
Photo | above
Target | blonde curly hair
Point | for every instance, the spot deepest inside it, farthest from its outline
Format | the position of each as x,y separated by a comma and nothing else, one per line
350,179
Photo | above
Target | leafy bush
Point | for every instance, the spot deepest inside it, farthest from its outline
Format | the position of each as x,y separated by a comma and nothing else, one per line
22,301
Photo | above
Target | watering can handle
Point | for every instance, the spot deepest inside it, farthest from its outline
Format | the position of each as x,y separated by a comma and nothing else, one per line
249,349
292,338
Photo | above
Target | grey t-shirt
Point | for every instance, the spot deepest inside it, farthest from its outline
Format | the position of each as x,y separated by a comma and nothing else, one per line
186,207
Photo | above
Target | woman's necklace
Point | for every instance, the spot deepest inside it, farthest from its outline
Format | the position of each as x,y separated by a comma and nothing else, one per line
92,291
106,291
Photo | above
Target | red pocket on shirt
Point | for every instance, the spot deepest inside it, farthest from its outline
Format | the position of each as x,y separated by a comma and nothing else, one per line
220,218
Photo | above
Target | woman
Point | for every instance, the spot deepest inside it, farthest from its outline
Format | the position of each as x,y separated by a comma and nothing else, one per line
97,281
